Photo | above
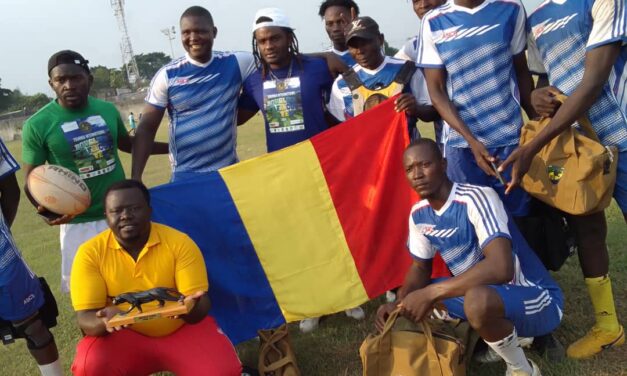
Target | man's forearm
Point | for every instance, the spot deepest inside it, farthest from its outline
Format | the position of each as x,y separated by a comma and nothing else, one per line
142,147
90,324
418,276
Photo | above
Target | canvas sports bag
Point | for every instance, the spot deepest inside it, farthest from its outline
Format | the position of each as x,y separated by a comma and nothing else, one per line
276,356
412,352
573,172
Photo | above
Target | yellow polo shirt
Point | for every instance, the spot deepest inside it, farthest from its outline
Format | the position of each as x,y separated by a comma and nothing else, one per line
102,269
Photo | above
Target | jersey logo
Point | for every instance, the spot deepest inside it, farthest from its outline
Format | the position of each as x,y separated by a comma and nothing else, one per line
458,32
548,25
443,233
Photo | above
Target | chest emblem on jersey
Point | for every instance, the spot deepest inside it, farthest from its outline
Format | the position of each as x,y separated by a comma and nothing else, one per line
549,25
440,233
555,173
459,32
181,81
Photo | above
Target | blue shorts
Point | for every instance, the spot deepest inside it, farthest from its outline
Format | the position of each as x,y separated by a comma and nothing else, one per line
534,311
620,190
462,168
20,293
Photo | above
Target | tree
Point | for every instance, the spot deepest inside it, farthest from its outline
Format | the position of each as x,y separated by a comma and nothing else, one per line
102,78
148,64
389,50
5,97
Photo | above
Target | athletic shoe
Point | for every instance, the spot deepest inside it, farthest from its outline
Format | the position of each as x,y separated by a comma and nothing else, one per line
309,325
357,313
549,347
490,356
390,296
534,372
594,342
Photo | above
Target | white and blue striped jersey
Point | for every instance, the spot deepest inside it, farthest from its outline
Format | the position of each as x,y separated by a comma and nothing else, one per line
563,31
341,101
201,100
476,47
410,49
346,56
471,217
9,253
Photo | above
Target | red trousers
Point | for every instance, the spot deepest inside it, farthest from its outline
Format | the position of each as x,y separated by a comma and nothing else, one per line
200,349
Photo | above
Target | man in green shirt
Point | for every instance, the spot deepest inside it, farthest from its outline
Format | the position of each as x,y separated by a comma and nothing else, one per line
83,134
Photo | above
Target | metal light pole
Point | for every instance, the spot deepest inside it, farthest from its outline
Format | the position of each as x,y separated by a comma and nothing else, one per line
170,34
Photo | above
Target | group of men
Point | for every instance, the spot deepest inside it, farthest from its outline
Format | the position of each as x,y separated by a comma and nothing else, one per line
464,70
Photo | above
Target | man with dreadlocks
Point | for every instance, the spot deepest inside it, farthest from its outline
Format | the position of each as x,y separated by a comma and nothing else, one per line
291,90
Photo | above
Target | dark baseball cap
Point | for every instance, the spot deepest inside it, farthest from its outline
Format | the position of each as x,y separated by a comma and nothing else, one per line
363,27
67,57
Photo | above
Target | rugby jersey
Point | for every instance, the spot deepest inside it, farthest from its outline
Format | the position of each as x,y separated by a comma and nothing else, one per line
563,31
476,47
9,253
341,101
201,100
471,217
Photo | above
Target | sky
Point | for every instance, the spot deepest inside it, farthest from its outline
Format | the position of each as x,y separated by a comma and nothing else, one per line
32,30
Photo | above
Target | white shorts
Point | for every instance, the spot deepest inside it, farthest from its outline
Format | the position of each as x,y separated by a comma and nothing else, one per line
71,236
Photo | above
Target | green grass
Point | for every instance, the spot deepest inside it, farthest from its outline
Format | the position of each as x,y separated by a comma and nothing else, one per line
333,348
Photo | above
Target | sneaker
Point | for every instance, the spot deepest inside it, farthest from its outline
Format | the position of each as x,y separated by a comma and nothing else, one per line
309,325
357,313
535,371
550,347
490,356
390,296
594,342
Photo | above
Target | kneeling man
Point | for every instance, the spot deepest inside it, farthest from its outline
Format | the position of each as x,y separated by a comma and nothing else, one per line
135,254
498,283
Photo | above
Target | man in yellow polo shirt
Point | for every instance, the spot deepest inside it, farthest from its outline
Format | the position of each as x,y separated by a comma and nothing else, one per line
135,254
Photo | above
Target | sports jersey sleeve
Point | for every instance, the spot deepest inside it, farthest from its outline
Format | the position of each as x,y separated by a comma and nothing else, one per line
158,93
190,274
246,63
428,55
609,23
336,101
88,289
519,39
488,216
247,99
33,150
8,165
419,246
418,85
409,50
534,61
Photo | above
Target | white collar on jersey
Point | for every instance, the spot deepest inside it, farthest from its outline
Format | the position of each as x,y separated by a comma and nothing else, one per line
337,52
198,63
470,10
448,202
372,72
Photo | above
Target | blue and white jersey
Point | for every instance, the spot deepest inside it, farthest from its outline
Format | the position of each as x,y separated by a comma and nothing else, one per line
563,31
476,47
341,101
471,217
201,100
346,56
9,254
410,49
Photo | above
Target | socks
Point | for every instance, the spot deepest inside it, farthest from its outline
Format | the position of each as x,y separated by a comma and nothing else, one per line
51,369
509,349
600,290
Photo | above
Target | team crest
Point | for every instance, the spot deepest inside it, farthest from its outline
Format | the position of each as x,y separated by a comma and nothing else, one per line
84,126
555,173
281,85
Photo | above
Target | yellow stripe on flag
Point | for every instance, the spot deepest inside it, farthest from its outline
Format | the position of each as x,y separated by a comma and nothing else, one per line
311,271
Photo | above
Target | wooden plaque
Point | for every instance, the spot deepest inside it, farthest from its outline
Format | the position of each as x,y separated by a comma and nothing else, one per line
168,310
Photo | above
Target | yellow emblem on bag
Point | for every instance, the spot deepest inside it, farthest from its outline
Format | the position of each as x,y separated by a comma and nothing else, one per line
555,173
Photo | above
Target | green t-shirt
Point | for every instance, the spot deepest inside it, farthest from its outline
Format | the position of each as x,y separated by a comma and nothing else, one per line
85,141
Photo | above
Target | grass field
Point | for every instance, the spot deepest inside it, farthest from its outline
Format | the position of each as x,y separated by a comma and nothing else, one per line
333,348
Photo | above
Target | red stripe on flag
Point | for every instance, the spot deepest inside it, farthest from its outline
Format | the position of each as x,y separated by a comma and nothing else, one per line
362,162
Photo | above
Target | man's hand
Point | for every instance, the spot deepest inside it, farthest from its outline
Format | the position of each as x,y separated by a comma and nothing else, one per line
417,304
520,160
383,313
194,298
406,103
54,220
483,157
107,314
544,102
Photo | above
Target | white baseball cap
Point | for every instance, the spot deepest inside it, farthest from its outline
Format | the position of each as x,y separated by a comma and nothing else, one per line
272,17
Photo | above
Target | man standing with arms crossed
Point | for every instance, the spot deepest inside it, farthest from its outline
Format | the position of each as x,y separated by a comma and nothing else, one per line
581,45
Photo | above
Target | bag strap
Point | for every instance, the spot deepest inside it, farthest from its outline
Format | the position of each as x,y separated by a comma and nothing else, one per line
586,126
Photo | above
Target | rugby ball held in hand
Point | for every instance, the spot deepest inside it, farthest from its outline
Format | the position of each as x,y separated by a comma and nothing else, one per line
58,189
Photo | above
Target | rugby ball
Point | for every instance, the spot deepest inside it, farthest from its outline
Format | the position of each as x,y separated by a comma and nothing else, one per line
58,189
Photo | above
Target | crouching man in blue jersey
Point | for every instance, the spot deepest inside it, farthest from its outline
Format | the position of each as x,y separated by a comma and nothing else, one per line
498,285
